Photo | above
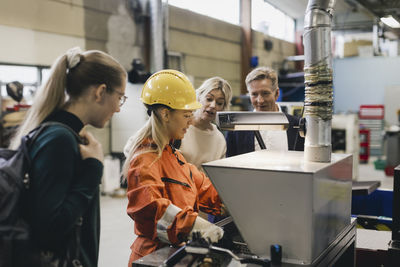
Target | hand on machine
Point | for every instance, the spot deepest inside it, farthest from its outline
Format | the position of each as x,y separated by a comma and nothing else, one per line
207,230
202,249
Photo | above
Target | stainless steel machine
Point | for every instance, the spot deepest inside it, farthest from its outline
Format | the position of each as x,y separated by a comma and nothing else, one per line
279,198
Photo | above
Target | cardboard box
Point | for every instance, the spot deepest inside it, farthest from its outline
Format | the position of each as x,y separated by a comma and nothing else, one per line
351,49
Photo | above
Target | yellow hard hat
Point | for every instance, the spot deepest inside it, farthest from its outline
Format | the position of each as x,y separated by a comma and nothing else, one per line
171,88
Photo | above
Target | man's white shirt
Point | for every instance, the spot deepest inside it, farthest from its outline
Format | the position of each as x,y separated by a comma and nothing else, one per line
273,140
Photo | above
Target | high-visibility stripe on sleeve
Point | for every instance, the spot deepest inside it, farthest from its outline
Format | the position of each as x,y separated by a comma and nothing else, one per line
165,221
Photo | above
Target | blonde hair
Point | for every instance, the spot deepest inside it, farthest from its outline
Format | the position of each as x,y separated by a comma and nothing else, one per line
262,73
154,129
71,74
215,83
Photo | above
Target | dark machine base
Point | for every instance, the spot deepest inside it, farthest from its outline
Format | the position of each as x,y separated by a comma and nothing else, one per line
341,253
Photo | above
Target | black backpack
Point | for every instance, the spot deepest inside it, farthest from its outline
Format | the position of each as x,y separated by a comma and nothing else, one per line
15,243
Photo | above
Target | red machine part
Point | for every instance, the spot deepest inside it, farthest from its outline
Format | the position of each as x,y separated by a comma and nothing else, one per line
364,145
372,112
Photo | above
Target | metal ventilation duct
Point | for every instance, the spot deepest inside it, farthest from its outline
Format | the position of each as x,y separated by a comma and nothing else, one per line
157,36
318,80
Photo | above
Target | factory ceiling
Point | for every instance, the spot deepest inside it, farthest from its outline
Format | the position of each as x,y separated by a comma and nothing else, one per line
349,15
382,8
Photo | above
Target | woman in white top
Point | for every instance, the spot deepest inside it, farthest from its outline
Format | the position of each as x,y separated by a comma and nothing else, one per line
203,142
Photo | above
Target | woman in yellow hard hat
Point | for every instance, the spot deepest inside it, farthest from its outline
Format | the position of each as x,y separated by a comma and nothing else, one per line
165,192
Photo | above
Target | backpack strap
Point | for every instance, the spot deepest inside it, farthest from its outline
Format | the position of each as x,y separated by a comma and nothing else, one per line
34,134
26,142
30,138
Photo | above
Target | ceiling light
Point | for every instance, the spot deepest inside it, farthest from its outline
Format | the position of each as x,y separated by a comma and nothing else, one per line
390,21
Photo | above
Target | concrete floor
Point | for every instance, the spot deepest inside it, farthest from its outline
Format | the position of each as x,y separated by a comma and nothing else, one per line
117,232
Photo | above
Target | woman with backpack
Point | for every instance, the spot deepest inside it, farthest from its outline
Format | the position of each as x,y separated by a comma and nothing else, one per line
165,192
62,202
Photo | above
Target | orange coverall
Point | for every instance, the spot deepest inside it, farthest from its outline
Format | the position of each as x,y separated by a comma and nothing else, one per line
153,186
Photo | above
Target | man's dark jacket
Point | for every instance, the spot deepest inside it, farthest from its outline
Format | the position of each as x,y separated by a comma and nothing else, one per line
240,142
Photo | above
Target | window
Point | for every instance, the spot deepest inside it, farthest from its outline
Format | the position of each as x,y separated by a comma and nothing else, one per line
175,61
271,21
45,75
226,10
30,76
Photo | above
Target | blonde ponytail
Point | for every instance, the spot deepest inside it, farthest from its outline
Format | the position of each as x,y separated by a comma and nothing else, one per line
49,97
71,75
154,129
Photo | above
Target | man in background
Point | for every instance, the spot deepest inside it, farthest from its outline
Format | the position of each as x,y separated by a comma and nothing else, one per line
262,85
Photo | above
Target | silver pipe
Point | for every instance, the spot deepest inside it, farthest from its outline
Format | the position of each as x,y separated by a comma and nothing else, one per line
375,38
318,80
157,43
165,10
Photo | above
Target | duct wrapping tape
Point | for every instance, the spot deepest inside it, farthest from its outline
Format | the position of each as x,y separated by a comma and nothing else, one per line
318,91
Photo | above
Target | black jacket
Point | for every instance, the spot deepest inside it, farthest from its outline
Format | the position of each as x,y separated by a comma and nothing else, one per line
63,187
240,142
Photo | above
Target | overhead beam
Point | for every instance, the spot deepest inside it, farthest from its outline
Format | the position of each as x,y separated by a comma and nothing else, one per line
381,8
